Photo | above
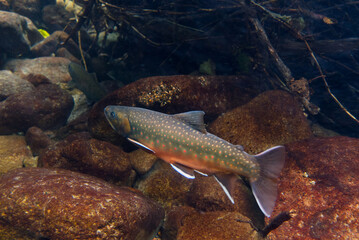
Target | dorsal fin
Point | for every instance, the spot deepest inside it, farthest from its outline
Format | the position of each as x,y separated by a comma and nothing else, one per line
239,147
193,119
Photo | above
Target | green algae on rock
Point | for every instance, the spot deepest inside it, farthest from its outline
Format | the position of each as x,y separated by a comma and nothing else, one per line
319,183
60,204
272,118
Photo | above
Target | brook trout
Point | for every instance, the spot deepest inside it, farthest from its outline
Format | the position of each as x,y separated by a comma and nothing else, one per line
182,141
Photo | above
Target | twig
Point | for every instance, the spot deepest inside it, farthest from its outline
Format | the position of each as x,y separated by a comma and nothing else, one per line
81,20
279,63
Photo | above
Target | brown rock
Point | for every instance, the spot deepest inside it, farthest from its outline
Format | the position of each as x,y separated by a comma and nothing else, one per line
14,153
175,94
18,33
63,52
52,43
91,156
165,185
46,107
173,221
272,118
141,161
4,5
11,84
56,17
217,226
37,140
319,184
28,8
60,204
54,68
207,195
37,79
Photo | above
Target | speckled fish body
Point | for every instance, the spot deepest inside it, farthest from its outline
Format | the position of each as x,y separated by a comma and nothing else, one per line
182,141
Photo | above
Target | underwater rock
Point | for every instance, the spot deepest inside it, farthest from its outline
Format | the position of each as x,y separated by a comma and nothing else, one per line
272,118
217,226
37,140
18,34
63,52
319,184
54,68
14,153
56,17
207,195
28,8
52,43
4,5
37,79
47,106
142,161
60,204
174,94
165,185
11,84
90,156
173,221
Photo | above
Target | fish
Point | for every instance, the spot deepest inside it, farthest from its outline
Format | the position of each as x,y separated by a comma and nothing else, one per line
86,82
183,141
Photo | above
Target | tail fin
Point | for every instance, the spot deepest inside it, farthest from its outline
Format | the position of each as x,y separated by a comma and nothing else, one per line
264,188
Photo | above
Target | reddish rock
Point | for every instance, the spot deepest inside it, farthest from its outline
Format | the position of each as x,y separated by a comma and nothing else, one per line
217,226
37,79
37,140
141,161
47,106
173,221
272,118
60,204
54,68
207,195
90,156
319,183
11,84
174,94
14,153
18,33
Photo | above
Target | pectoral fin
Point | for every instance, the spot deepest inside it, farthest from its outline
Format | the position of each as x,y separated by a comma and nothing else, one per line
227,182
147,149
183,170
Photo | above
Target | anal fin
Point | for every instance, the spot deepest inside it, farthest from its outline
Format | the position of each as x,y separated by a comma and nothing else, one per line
227,182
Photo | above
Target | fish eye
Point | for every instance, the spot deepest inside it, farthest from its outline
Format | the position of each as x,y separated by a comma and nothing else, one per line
113,114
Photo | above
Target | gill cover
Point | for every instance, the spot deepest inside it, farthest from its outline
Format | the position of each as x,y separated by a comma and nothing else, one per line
118,120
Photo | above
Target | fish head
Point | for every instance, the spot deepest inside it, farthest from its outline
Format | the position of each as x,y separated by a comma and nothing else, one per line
118,118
